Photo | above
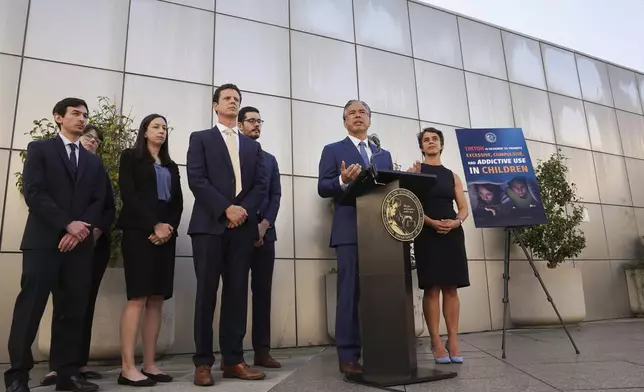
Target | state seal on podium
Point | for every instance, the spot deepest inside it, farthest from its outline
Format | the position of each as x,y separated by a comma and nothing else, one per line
402,214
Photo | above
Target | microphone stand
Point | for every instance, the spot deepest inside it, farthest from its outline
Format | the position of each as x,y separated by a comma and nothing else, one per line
372,169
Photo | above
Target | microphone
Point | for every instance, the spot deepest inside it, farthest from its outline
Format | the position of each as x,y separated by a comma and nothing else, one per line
373,138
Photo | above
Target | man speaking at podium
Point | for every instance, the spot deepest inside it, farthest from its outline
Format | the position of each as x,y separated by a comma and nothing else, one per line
340,164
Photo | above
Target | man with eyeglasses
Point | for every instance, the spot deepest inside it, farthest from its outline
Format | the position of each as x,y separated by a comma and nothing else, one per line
263,260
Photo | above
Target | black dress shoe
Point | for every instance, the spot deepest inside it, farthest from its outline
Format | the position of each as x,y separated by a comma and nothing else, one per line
161,377
91,375
49,380
18,386
75,384
146,382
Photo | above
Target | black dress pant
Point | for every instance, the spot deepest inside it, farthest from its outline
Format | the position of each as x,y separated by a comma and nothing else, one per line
261,266
226,256
68,277
99,265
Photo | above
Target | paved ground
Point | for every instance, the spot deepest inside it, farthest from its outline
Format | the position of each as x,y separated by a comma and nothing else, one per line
538,360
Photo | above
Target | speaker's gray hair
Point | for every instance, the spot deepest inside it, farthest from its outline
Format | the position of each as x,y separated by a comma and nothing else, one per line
351,102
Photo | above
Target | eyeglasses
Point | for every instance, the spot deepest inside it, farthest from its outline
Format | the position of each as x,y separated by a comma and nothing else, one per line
253,121
89,137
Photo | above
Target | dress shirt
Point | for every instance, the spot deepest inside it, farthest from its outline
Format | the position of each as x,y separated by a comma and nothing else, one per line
356,143
67,142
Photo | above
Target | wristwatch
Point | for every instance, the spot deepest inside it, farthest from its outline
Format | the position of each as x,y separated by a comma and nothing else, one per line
459,219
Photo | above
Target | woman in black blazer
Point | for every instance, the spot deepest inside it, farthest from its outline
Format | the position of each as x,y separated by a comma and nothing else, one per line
152,206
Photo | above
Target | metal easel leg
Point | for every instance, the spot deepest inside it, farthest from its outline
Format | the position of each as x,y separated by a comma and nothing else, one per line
506,278
545,290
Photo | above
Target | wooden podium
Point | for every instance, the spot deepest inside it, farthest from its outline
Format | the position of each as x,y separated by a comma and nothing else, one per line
386,298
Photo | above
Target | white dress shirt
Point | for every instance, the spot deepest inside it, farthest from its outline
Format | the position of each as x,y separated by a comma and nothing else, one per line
356,143
67,142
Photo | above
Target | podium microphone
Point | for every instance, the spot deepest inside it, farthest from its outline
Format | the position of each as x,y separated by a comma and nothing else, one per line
373,138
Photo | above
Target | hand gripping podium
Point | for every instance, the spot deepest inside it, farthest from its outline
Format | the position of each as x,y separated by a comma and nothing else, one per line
388,208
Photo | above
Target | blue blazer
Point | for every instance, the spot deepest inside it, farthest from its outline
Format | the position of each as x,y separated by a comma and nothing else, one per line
271,203
212,180
54,198
344,229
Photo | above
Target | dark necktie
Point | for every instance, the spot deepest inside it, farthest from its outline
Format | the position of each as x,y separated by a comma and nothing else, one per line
72,159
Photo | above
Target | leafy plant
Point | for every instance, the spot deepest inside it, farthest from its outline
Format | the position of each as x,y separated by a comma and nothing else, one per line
639,256
118,135
43,129
560,238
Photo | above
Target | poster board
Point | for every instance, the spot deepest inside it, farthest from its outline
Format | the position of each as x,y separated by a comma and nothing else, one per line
501,182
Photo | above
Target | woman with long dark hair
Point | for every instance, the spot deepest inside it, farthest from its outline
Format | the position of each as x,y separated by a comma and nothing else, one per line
152,205
439,250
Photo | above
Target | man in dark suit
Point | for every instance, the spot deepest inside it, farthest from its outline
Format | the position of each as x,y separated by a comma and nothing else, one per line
227,176
263,259
91,139
64,188
340,164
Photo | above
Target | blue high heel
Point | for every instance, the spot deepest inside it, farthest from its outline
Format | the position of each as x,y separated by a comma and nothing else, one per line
441,360
451,358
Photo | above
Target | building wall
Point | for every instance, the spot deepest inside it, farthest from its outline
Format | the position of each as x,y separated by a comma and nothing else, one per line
299,61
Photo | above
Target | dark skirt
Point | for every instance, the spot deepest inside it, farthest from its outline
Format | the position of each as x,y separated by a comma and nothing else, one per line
441,259
149,268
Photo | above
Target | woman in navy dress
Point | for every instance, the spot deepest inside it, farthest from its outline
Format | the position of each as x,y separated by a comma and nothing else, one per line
439,250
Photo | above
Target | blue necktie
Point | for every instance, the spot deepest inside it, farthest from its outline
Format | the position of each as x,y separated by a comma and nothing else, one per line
363,152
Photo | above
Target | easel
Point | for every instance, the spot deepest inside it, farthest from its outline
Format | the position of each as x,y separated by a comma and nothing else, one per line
509,231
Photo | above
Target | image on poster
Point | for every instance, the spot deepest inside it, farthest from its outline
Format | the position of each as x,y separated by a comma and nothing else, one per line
501,183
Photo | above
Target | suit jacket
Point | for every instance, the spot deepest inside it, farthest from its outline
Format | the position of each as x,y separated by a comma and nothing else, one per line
270,205
54,198
212,180
344,228
107,215
138,186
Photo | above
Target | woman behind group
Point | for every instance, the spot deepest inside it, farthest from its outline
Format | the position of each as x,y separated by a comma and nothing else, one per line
91,140
439,250
152,206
